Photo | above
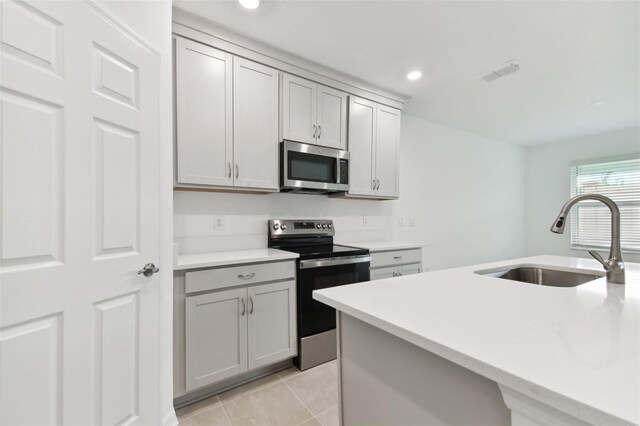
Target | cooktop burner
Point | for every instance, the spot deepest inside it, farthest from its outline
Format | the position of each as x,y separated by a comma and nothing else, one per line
325,250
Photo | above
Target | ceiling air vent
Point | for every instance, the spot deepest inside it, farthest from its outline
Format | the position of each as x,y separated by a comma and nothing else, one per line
499,71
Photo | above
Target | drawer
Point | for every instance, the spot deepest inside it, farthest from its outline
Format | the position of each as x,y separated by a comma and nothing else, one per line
214,279
395,257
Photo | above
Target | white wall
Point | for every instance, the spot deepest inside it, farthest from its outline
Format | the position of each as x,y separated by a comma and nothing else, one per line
465,192
548,185
151,20
456,185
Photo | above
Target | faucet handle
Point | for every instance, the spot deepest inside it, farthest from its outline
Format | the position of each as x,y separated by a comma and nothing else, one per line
599,258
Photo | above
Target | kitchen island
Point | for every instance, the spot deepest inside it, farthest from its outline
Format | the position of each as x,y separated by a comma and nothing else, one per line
456,347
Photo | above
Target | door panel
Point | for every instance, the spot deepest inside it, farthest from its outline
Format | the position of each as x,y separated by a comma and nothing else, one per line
362,133
215,336
299,102
116,359
31,353
80,216
255,125
32,132
272,323
204,114
387,151
332,118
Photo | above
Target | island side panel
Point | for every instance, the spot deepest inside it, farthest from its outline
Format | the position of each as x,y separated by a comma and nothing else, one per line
385,380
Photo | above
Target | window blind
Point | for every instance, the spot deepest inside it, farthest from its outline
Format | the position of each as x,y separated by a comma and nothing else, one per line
591,220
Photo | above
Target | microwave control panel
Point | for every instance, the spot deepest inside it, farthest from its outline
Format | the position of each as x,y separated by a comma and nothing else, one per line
344,171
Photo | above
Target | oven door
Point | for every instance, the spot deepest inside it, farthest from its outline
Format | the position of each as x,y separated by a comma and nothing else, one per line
314,167
315,274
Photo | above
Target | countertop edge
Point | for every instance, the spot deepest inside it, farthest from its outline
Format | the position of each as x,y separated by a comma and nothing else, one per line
219,259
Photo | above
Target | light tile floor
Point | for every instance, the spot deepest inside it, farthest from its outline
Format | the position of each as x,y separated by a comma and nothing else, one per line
289,397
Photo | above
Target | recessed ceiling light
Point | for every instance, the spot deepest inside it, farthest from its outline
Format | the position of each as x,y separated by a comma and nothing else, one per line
414,75
250,4
598,103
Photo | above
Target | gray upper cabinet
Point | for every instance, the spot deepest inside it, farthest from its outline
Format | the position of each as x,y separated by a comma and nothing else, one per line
374,144
226,119
313,113
204,129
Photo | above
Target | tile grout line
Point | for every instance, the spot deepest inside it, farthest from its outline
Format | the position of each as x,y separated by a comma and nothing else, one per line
313,416
328,409
224,411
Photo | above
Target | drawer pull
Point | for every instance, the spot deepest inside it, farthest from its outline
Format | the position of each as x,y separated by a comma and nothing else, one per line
247,276
397,257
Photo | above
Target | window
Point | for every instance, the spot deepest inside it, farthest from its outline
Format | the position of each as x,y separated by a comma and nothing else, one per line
591,220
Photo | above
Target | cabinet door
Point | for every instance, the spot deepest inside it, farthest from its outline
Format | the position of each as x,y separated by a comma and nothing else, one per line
272,323
299,102
255,125
382,273
332,118
215,336
387,151
203,114
362,132
413,268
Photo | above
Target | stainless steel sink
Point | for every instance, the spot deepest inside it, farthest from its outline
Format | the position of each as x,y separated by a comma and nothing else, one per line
543,276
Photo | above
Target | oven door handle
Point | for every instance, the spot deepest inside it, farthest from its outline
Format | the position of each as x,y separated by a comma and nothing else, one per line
334,261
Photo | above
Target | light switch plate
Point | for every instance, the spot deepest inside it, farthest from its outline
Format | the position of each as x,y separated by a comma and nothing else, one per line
218,223
365,221
400,221
412,221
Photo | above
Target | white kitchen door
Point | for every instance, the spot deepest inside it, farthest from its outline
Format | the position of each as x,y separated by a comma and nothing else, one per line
79,216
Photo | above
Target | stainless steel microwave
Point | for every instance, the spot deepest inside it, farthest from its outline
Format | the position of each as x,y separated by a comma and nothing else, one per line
313,169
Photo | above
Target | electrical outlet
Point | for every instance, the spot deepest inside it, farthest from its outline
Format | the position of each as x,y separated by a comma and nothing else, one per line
412,221
218,223
400,221
365,220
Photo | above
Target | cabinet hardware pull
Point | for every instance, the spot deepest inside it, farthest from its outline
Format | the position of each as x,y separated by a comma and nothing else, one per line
247,276
378,187
244,307
315,130
374,185
237,171
397,257
399,274
251,303
319,131
395,275
229,165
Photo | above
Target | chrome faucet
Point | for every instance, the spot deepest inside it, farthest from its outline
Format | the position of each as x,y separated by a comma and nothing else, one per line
614,266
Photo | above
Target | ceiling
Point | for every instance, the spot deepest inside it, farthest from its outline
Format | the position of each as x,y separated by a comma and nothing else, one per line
571,53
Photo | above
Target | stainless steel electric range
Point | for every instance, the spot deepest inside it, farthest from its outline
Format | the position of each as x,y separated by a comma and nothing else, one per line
321,264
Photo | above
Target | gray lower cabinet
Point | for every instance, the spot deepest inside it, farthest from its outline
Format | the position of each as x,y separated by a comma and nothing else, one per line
228,332
395,263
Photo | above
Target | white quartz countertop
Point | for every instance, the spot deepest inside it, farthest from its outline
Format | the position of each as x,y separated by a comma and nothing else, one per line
575,348
227,258
375,246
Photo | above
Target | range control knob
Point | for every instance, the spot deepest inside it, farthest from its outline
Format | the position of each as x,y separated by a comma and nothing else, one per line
329,226
276,226
324,226
283,227
318,226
